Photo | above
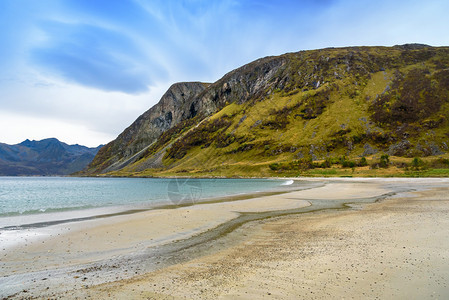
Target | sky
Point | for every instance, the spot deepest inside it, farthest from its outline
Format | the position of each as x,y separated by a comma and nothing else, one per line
83,70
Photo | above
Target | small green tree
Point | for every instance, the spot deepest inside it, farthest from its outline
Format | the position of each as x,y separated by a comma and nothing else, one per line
417,163
384,161
363,162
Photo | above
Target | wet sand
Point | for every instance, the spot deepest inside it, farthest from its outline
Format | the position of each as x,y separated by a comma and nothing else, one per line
394,248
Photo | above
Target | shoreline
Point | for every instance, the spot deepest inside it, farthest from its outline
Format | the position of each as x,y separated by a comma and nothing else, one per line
16,222
224,218
87,213
16,229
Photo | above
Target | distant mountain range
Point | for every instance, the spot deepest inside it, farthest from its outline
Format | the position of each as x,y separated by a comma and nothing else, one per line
45,157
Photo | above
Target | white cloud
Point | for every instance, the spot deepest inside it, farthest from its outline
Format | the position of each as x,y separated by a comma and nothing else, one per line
105,114
18,127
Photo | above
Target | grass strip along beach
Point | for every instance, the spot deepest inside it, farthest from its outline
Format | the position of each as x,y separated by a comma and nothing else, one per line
361,238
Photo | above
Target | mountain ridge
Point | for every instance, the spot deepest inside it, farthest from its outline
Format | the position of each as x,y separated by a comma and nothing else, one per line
43,158
309,105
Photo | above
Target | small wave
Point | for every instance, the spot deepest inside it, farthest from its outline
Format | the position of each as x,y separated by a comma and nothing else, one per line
288,182
44,210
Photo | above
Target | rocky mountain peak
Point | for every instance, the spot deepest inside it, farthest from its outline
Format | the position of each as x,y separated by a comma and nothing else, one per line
173,107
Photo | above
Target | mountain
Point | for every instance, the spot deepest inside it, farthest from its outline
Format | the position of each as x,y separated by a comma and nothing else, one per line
174,107
45,157
298,111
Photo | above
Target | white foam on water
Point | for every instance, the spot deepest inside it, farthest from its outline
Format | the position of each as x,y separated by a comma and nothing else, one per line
288,182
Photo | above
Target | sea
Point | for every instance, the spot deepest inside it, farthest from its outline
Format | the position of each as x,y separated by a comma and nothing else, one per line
42,201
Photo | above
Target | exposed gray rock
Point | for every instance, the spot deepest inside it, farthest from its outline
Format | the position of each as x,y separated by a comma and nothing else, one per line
369,150
312,152
257,123
349,145
435,150
242,119
400,148
363,119
430,148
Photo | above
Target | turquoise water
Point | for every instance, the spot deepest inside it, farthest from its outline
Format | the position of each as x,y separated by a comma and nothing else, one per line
37,195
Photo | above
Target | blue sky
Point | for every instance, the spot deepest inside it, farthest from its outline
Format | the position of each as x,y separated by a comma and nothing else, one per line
83,70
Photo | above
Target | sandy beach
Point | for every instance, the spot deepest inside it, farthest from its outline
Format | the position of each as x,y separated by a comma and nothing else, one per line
343,238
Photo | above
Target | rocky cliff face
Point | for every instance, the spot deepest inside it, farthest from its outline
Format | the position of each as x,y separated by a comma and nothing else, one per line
184,101
316,104
174,106
248,82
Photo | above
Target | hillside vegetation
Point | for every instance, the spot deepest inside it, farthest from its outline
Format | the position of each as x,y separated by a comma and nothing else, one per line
360,111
